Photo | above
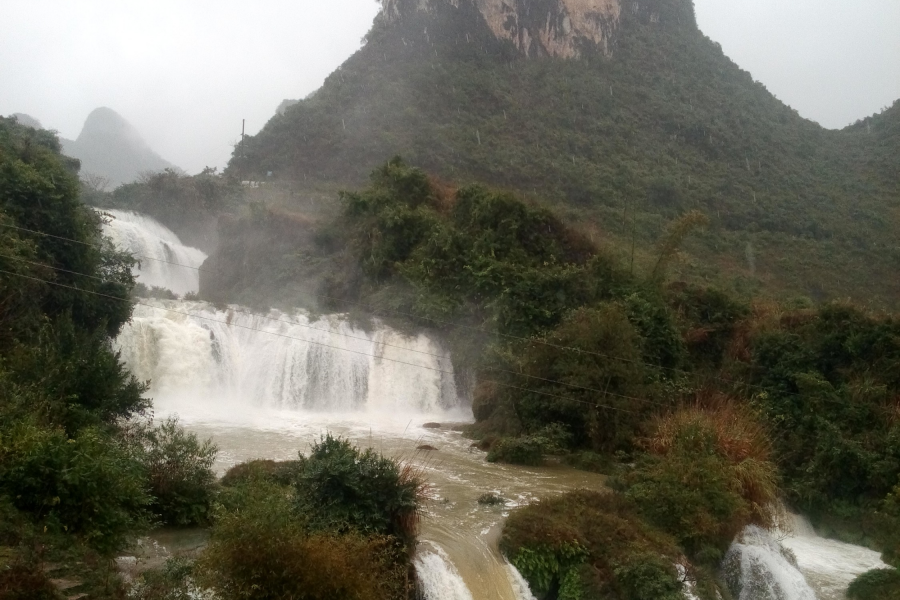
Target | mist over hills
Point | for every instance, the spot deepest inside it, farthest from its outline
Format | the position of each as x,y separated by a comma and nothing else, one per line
110,147
619,115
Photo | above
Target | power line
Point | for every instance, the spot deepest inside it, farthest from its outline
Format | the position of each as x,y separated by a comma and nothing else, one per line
194,316
441,322
396,312
100,247
266,317
291,322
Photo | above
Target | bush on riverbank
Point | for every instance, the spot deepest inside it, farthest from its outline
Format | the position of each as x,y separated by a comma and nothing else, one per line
706,476
339,523
263,548
179,467
591,544
878,584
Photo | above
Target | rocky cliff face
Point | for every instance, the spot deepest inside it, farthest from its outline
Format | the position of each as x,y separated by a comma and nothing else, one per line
536,27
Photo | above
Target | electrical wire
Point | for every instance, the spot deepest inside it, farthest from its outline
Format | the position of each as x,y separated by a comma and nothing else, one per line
194,316
438,321
295,323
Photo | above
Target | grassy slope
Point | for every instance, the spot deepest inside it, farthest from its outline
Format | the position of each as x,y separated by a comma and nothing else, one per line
668,123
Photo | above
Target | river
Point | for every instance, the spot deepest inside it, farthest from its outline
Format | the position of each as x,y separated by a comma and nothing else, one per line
268,385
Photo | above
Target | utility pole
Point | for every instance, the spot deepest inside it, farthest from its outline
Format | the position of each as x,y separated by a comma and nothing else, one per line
243,128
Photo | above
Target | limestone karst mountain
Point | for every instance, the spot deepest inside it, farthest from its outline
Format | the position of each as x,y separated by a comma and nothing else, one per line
110,147
620,114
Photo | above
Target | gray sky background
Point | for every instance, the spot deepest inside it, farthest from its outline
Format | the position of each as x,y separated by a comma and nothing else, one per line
186,72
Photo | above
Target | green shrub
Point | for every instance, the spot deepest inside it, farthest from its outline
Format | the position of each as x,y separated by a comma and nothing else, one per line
527,450
589,545
590,461
280,472
343,489
878,584
649,577
827,378
180,474
88,485
263,550
706,478
171,582
596,393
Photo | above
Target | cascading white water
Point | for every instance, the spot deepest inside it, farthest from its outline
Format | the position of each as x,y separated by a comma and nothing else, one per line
438,578
158,250
195,354
829,565
519,585
757,567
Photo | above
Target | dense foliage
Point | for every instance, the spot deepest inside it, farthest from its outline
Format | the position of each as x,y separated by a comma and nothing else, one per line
591,545
341,488
878,584
179,469
339,523
75,480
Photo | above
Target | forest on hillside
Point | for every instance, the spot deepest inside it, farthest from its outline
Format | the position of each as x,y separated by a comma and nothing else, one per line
663,125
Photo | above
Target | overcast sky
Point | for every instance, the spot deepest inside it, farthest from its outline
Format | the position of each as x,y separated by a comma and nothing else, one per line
185,72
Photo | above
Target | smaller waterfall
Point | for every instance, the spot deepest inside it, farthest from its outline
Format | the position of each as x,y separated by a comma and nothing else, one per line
829,565
519,585
438,579
158,250
757,567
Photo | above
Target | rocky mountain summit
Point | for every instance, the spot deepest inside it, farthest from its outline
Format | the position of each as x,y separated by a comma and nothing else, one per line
543,27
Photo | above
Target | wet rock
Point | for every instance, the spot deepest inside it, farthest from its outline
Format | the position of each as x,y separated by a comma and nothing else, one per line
426,447
432,426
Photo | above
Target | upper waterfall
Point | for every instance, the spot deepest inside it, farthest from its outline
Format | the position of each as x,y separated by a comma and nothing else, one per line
198,357
201,357
164,260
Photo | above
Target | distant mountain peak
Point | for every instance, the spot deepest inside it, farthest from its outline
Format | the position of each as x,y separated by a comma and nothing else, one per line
109,146
28,121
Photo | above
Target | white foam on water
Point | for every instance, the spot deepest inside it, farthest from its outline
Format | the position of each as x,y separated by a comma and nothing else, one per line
158,250
829,565
757,565
232,364
519,585
438,577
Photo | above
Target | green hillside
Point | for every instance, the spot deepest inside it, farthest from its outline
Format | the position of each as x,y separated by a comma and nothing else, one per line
620,144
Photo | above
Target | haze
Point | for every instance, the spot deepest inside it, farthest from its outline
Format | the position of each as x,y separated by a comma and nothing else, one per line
186,74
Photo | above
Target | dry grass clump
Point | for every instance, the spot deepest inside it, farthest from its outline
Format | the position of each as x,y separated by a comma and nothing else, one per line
408,518
734,434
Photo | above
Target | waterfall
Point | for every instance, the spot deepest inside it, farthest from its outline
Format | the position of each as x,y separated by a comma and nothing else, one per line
829,565
194,354
438,579
757,567
198,356
158,250
519,585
